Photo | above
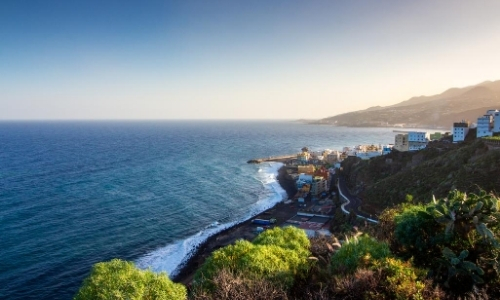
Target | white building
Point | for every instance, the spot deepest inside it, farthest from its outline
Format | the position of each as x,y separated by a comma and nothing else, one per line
484,126
367,151
418,136
496,122
417,140
460,130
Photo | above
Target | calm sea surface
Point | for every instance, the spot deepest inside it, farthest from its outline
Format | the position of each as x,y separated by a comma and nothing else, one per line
76,193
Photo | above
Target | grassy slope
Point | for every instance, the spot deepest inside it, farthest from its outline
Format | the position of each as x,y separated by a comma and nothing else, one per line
382,183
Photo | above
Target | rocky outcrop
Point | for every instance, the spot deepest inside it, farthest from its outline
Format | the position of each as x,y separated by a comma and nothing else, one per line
287,182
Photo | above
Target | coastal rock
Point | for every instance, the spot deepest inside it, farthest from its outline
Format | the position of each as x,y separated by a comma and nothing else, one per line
254,161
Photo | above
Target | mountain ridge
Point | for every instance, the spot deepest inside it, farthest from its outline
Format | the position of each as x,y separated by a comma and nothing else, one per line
435,111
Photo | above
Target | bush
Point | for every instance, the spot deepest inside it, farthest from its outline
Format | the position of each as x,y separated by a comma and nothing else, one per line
418,233
402,280
277,255
118,279
230,286
357,253
363,284
290,238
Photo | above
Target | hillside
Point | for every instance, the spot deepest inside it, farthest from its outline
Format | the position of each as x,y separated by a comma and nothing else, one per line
427,111
386,180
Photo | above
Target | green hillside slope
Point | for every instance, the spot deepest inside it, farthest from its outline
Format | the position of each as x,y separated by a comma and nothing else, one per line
385,181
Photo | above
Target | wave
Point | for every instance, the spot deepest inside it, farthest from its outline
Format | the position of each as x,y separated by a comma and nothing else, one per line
171,258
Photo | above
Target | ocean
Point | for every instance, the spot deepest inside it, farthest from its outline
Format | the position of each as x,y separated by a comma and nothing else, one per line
76,193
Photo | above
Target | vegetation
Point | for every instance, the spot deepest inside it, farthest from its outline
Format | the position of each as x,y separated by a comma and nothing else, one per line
385,181
415,234
447,248
277,255
358,252
492,138
118,279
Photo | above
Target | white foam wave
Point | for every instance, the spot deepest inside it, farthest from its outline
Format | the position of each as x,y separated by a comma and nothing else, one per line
172,257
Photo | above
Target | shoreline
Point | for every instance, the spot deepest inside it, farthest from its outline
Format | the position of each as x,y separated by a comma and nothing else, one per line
244,230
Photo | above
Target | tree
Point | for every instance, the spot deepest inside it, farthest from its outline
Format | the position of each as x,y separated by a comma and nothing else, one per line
118,279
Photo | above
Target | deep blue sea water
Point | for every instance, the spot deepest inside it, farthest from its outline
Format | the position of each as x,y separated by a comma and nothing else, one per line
76,193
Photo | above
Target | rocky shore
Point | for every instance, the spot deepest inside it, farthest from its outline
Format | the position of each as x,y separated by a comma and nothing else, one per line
245,230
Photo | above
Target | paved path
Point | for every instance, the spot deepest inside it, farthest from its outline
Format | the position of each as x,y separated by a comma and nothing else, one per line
353,202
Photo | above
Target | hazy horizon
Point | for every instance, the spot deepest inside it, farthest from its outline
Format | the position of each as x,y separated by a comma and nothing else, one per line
223,60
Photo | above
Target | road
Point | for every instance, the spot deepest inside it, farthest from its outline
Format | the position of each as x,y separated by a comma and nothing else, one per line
354,201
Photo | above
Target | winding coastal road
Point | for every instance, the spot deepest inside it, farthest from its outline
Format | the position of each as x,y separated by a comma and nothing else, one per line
353,201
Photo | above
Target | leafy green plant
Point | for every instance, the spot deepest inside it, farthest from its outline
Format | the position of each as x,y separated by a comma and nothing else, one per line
415,229
462,213
402,280
289,238
358,252
277,255
118,279
458,266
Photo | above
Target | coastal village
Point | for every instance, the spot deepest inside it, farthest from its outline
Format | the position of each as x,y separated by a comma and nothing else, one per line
316,180
315,191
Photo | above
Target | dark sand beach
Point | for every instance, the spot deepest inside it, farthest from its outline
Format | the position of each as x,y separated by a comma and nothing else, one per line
246,230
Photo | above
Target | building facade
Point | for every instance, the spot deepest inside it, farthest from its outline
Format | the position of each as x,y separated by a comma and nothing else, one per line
307,169
401,142
386,149
484,126
303,157
415,146
319,185
496,122
417,140
418,136
333,157
460,131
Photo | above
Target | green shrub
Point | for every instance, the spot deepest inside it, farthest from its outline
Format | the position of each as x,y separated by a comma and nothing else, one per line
277,255
289,238
118,279
417,232
357,253
402,280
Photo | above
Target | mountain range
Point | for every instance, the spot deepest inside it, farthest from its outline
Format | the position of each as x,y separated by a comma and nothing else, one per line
437,111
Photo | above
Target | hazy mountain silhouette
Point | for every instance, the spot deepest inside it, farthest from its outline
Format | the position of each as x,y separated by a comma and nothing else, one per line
440,110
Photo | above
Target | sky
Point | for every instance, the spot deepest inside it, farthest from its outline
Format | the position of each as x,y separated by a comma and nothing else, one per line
237,59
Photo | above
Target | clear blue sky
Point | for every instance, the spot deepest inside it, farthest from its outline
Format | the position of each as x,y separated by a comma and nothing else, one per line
237,59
